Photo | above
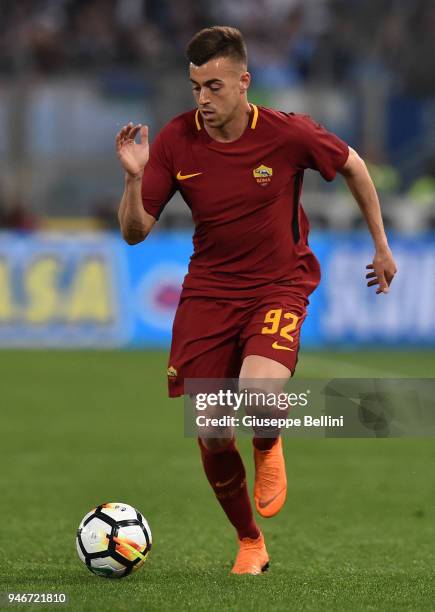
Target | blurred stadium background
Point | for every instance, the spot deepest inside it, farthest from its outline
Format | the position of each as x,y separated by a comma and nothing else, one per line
73,71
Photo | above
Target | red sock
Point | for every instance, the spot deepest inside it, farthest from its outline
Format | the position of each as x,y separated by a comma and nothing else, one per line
226,474
263,444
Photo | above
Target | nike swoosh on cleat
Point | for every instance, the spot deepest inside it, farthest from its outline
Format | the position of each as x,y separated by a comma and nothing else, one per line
264,504
275,345
183,177
226,482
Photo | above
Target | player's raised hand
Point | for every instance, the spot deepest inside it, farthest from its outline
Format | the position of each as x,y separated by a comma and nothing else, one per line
383,270
133,155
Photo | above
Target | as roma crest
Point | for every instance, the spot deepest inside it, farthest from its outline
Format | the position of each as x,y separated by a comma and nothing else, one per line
263,175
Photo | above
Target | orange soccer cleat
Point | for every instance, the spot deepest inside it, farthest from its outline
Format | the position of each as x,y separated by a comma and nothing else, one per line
252,557
270,487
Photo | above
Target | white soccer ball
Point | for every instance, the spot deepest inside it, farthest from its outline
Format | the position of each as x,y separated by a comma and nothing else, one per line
113,540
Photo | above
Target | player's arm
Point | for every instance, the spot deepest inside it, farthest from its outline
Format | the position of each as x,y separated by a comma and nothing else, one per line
383,267
134,221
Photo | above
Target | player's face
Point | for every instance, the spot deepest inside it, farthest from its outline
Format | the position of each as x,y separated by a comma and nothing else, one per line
219,88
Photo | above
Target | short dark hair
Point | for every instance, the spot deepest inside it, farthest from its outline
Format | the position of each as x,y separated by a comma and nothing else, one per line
216,41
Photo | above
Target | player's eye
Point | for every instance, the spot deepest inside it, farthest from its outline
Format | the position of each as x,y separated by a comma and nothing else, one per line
215,87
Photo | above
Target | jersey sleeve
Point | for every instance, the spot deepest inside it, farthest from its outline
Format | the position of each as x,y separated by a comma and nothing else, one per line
158,184
318,149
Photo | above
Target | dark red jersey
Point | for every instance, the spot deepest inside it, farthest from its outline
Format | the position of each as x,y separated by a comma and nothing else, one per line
250,229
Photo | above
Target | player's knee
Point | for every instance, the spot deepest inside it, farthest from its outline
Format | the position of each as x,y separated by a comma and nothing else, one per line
265,409
263,402
215,445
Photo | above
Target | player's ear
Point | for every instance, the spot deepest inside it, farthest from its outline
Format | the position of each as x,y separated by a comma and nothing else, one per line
245,81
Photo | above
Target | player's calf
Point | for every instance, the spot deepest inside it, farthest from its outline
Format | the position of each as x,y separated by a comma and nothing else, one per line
226,474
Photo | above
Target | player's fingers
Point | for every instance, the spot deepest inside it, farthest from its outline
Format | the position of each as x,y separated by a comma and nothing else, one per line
125,130
120,138
125,134
383,285
373,282
389,275
369,267
122,135
144,134
134,130
128,129
371,275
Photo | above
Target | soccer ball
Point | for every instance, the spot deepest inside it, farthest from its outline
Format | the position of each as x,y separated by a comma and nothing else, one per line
113,540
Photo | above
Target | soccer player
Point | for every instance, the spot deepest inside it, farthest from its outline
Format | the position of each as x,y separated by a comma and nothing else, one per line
240,168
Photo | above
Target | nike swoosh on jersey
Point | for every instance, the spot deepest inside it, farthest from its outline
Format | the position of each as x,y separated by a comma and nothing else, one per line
275,345
183,177
263,504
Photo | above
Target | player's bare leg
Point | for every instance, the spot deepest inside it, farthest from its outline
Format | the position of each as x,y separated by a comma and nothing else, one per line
270,487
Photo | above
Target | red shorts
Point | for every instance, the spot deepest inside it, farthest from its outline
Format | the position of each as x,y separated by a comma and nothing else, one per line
211,337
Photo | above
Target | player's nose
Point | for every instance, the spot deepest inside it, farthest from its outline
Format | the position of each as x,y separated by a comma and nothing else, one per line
203,98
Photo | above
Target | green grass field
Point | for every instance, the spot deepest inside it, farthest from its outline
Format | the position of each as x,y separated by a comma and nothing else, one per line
78,429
